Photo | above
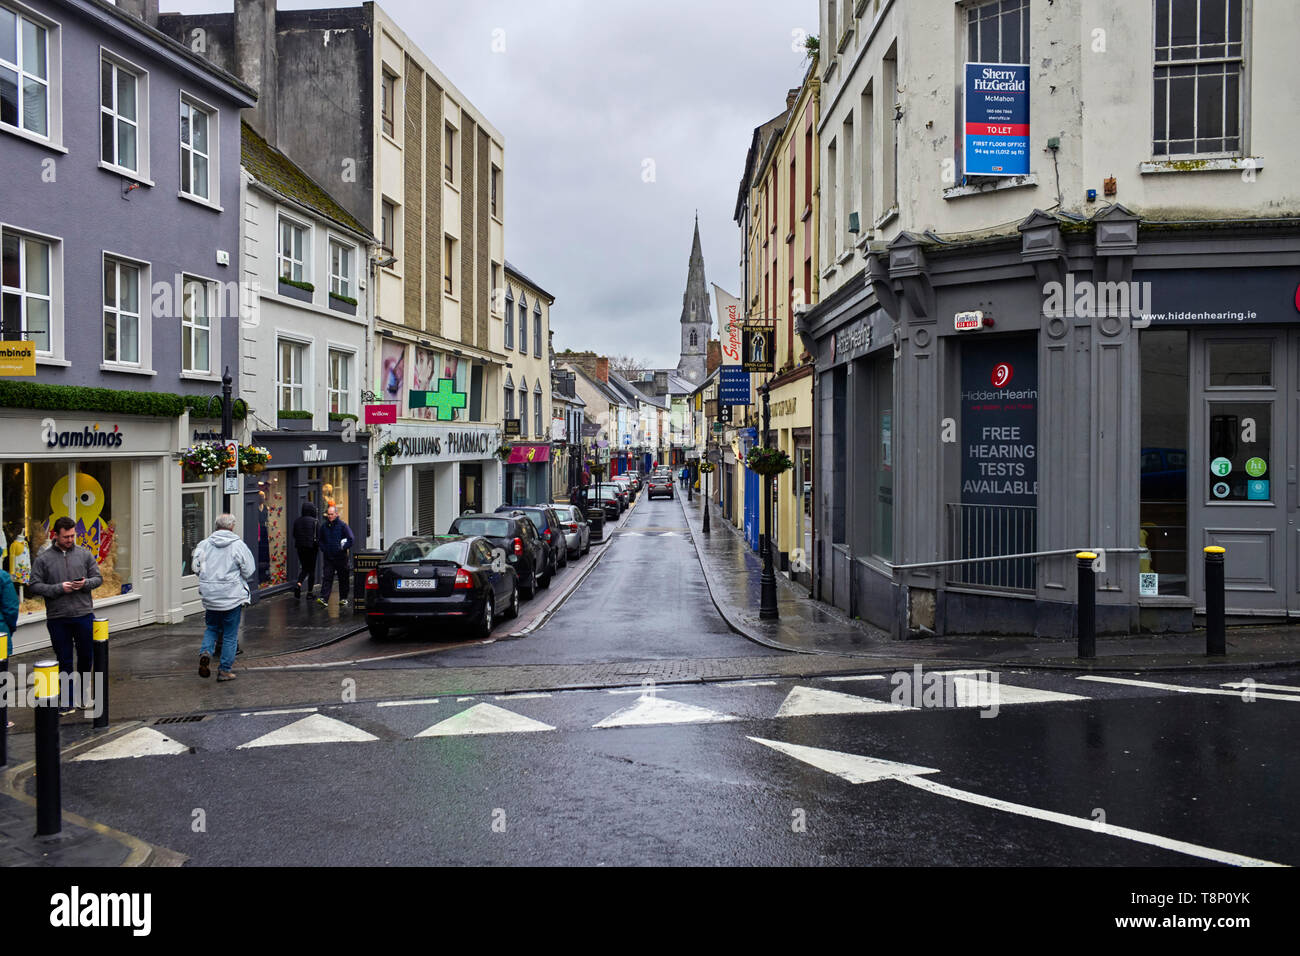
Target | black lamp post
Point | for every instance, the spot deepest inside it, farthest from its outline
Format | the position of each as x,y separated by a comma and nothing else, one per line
706,494
767,607
227,425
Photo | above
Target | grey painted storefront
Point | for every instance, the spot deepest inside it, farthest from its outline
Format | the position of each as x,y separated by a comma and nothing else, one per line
1127,414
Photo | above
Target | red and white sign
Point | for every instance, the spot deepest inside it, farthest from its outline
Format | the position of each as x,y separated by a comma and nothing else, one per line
382,414
729,318
965,321
1001,375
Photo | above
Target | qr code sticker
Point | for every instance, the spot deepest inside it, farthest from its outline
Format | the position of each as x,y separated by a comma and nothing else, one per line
1148,583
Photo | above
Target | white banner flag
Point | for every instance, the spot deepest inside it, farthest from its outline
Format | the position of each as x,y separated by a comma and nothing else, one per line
730,316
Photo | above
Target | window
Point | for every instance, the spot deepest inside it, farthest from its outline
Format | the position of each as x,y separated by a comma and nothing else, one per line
830,202
194,150
1199,71
121,312
341,269
449,154
290,376
523,325
293,251
196,328
510,399
496,183
448,260
847,190
340,367
997,32
24,73
523,409
537,411
121,103
498,293
388,96
387,224
695,338
510,320
25,298
537,329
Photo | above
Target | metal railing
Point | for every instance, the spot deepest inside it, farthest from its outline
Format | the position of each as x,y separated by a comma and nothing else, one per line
977,533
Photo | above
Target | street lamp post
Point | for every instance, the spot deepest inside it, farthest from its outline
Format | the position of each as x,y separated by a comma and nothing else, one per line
767,607
706,495
227,424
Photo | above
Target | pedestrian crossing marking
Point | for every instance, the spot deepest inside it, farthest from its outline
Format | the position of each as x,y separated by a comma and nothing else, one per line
316,729
985,693
656,710
1179,688
807,701
851,767
484,719
142,742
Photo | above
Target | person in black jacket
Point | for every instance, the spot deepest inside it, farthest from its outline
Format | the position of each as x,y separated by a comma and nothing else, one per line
304,540
335,539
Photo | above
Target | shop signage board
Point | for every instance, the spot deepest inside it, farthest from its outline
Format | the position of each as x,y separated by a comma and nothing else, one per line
1183,298
384,413
733,385
729,320
528,454
966,321
512,427
17,358
230,480
997,119
851,341
758,345
999,422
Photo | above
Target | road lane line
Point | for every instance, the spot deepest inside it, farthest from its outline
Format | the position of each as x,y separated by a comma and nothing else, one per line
272,713
407,703
858,677
1281,687
1188,690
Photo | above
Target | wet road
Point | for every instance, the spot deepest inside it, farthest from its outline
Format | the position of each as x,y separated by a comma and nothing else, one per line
741,772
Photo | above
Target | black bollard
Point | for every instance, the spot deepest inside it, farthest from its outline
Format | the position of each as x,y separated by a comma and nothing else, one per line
49,797
100,680
4,707
1087,606
1215,638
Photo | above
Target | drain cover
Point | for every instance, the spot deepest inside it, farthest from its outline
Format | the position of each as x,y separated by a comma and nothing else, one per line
192,719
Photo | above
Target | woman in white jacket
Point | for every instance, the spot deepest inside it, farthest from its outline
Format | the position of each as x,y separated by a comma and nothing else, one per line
224,566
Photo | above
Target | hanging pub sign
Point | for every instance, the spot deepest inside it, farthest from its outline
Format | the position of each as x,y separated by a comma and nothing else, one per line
758,343
512,427
733,385
997,119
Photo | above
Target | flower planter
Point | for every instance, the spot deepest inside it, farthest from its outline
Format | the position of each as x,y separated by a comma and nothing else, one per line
338,305
294,424
293,292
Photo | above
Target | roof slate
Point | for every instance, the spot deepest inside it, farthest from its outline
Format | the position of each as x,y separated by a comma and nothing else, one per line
277,172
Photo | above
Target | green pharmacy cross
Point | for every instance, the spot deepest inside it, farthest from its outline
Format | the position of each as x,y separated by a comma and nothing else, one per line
446,399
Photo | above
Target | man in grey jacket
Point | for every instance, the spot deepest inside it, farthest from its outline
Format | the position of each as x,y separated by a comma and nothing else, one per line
64,575
224,566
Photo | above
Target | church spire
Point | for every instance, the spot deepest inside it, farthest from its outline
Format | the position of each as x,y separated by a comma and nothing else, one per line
697,319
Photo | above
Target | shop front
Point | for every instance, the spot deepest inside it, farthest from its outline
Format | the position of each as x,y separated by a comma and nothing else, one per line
528,474
316,467
116,478
439,472
791,431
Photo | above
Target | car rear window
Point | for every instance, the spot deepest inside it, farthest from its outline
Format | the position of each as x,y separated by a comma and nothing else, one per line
426,549
538,518
492,527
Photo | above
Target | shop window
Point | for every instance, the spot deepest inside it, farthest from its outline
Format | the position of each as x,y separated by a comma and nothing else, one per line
329,486
97,495
1241,364
1241,442
1163,494
882,519
272,529
197,521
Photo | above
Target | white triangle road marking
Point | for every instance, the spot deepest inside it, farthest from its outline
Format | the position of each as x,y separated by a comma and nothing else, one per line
851,767
1178,688
484,719
655,710
141,742
805,701
970,692
316,729
858,769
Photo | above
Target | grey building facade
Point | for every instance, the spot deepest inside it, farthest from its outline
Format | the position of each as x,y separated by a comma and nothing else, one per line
120,229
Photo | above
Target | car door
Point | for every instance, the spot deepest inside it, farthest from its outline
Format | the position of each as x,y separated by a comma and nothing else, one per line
482,557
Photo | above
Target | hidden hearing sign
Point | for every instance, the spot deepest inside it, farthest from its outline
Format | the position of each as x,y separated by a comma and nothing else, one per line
997,119
758,343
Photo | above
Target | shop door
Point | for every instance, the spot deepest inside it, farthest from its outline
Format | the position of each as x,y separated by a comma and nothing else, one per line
1241,484
752,505
471,488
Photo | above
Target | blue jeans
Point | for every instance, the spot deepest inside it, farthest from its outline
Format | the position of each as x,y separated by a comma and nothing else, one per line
223,625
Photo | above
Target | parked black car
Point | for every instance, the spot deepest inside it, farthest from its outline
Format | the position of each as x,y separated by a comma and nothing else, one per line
606,497
524,548
453,577
549,526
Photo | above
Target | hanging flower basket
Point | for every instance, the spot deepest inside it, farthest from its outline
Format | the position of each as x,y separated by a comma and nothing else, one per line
768,462
707,467
205,458
253,459
503,450
385,454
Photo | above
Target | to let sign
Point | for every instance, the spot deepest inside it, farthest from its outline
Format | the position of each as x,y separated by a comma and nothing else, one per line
997,119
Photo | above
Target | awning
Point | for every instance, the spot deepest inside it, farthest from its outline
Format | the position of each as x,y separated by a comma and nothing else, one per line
529,454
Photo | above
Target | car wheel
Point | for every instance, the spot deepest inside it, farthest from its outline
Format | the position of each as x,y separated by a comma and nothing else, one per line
378,630
545,582
531,590
513,611
486,621
564,557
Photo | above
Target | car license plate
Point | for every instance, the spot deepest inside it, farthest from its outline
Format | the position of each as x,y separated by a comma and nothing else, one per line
409,584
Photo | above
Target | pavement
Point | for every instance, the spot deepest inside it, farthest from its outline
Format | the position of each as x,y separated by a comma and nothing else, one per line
806,626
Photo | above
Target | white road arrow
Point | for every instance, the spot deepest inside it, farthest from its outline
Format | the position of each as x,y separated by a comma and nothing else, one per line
484,719
144,742
858,769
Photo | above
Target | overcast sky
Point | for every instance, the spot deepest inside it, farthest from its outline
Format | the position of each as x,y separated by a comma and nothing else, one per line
587,94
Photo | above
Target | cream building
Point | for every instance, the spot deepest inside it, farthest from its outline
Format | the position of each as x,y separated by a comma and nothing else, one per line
526,393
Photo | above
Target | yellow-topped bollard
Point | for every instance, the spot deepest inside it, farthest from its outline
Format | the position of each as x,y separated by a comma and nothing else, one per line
1216,643
49,798
45,683
100,680
4,706
1086,606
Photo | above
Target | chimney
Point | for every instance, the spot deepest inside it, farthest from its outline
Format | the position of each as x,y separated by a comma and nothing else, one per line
255,62
661,383
714,358
791,98
595,366
602,368
146,10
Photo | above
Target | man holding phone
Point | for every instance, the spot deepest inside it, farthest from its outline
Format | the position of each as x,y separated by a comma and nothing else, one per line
64,575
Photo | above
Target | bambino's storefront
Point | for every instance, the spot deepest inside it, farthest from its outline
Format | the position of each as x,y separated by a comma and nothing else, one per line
116,479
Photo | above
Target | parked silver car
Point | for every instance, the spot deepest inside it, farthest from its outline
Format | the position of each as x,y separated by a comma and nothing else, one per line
577,530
